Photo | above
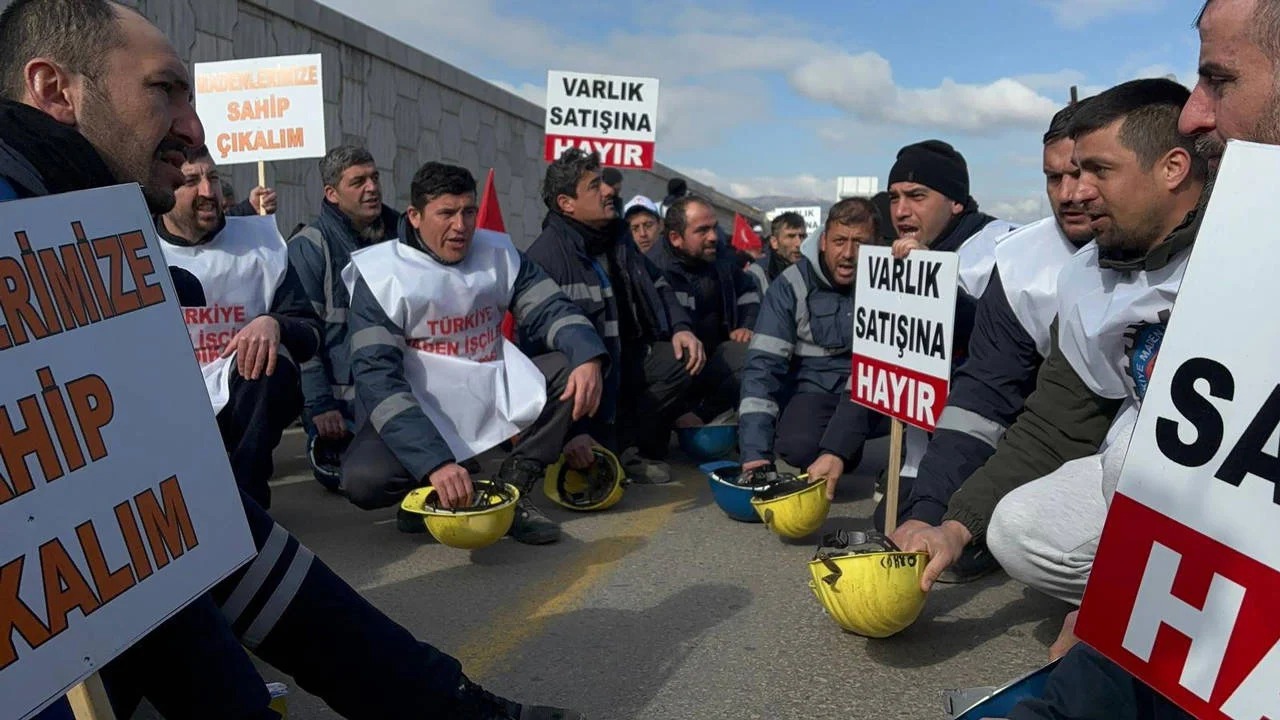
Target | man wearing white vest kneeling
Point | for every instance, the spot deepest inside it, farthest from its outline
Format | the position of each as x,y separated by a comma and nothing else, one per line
436,382
250,321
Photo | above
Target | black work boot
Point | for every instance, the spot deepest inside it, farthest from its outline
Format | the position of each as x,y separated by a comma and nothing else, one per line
472,702
530,526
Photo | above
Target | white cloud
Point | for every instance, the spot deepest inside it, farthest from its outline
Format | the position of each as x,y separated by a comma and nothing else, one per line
864,86
1019,210
797,186
1075,14
536,94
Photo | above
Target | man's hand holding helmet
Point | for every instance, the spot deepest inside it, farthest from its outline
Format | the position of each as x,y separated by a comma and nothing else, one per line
943,543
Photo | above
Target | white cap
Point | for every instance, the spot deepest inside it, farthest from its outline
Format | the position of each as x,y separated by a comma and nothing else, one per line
643,203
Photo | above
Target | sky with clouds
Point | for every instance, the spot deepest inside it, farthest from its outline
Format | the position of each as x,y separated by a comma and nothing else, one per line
770,97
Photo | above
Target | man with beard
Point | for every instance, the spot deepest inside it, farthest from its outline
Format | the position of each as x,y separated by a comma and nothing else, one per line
653,353
786,234
719,297
1009,341
407,358
1141,184
241,267
351,217
795,400
1235,99
94,95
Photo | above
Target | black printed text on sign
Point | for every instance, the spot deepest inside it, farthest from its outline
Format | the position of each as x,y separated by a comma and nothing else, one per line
117,503
1182,593
613,115
903,322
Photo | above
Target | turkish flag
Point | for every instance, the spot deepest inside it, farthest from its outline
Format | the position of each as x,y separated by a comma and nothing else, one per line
490,218
744,238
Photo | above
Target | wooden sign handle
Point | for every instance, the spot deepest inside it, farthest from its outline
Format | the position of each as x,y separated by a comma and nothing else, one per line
89,700
262,182
895,470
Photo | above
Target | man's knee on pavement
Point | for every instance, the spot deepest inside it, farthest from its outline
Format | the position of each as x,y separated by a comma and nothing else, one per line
366,488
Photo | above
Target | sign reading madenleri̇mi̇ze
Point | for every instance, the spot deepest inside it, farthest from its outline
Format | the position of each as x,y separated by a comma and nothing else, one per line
613,115
1183,590
903,323
117,504
262,109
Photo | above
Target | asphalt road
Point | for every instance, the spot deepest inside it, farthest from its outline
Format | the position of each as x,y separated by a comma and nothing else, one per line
664,608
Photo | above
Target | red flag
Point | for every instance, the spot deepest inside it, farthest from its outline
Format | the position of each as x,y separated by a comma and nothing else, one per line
490,215
744,238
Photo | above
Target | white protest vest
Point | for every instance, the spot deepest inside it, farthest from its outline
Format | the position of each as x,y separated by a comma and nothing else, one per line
239,271
476,388
1029,260
1110,324
978,255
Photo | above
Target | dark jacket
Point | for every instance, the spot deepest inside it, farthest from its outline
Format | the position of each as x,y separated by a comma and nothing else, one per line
1063,418
739,296
561,251
1087,686
765,269
542,313
802,344
317,254
299,326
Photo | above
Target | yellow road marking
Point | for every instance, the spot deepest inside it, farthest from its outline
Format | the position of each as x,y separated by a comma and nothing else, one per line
564,590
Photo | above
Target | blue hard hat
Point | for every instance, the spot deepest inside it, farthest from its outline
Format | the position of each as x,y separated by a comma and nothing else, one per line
733,499
709,442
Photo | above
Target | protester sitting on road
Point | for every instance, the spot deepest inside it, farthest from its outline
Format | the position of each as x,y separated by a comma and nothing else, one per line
720,298
352,216
653,352
641,215
1140,183
795,389
426,314
786,234
95,96
1009,341
250,323
932,209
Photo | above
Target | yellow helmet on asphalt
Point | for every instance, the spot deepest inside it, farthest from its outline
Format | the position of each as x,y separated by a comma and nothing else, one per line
599,487
793,507
866,584
483,523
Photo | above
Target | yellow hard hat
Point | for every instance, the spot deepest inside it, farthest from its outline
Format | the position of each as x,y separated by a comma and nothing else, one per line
794,507
866,584
492,510
599,487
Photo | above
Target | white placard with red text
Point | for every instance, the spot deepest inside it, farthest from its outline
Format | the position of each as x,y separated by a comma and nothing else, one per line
903,324
614,115
117,502
262,109
1183,591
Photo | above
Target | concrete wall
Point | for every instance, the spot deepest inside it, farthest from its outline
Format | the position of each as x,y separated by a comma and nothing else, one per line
406,106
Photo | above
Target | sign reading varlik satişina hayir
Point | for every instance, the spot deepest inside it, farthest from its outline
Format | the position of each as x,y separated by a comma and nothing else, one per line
613,115
1183,591
265,109
117,503
903,321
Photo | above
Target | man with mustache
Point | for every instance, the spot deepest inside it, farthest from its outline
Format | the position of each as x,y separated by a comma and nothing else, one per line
786,234
352,216
1141,184
1009,341
250,305
408,299
795,399
720,298
1235,99
653,353
94,95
